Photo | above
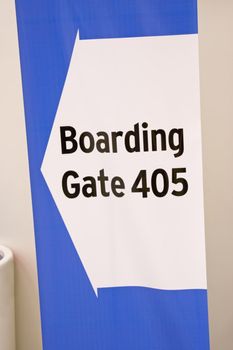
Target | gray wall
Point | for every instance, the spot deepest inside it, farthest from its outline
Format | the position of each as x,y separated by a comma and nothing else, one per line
16,229
216,72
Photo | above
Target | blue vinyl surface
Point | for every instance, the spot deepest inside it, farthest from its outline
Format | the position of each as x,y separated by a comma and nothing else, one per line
73,318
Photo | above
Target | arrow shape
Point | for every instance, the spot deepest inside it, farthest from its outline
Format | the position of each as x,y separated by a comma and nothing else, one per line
112,85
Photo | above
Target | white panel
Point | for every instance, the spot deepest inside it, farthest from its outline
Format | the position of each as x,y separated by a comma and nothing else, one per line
113,84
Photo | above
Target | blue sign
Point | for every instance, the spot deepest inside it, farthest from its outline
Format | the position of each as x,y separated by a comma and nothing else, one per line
111,96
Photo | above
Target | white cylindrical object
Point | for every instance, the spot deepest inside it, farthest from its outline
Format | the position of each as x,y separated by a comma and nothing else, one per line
7,305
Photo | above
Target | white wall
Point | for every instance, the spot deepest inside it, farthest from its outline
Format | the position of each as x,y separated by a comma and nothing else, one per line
16,228
216,68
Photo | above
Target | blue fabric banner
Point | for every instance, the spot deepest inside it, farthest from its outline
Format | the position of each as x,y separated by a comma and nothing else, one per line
111,98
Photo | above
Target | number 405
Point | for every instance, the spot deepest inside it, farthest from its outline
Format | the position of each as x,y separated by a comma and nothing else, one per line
160,183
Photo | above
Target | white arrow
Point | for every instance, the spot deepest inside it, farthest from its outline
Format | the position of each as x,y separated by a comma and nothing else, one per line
111,85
